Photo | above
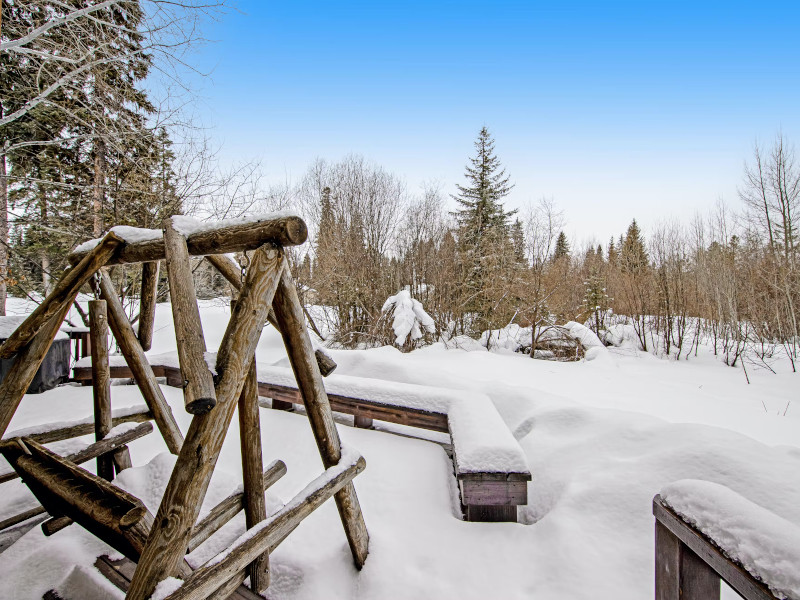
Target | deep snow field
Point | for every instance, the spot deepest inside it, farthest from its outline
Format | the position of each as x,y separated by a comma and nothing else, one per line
602,437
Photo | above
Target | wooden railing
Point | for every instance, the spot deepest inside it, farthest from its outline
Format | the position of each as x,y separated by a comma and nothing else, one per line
689,566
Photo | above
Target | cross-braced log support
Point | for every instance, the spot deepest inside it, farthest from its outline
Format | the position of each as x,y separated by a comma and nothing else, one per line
187,486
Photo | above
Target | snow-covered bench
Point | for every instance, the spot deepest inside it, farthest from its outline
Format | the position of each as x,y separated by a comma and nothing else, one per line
490,466
706,532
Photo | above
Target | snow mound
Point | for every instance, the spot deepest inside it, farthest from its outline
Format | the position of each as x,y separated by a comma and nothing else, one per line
622,335
767,545
584,335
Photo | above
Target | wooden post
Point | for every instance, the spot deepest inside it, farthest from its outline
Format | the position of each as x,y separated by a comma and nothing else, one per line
255,509
198,383
22,372
188,483
62,296
142,372
292,325
147,303
101,382
680,573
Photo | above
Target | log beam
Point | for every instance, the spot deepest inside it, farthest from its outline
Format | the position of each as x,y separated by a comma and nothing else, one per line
63,295
222,239
198,383
142,372
147,304
292,325
188,483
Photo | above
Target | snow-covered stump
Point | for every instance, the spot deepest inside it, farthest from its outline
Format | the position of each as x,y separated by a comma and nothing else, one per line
706,533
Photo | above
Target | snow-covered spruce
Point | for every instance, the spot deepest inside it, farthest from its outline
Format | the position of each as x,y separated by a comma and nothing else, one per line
410,317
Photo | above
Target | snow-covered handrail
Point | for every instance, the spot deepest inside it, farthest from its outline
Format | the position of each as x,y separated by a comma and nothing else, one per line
204,237
705,531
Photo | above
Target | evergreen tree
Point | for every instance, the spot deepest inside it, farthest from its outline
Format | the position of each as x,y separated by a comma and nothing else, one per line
632,252
562,247
479,200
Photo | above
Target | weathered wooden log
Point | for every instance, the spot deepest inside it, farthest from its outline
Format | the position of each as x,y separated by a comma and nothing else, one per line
198,383
147,304
63,294
101,382
55,524
230,507
142,373
222,239
292,326
207,579
22,372
104,446
64,489
326,364
79,429
187,486
255,509
230,271
21,517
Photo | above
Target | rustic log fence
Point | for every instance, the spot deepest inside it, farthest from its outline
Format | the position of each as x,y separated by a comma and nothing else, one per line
158,543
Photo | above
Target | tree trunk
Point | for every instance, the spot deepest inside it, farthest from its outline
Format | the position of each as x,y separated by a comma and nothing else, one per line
98,191
3,231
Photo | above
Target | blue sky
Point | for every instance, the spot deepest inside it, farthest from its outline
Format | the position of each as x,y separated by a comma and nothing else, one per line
614,109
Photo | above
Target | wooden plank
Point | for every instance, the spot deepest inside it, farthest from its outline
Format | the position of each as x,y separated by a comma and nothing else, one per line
490,514
190,477
734,574
207,579
198,383
281,231
21,517
62,296
16,382
483,489
255,509
55,524
140,368
147,304
230,507
101,382
292,325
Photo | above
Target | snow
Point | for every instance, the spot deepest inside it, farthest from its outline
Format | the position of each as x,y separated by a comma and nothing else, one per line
767,545
600,437
409,317
130,235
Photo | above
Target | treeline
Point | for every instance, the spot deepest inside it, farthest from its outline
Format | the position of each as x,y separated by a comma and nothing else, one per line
728,279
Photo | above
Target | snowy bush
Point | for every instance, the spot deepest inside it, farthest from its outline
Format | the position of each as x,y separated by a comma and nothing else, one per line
409,319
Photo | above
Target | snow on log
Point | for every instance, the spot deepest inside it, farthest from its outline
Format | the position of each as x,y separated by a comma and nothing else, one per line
214,237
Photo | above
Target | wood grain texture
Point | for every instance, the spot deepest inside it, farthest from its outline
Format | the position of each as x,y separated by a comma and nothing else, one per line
22,372
21,517
147,303
198,390
47,436
672,574
101,382
255,508
189,480
230,507
63,294
140,368
206,580
282,231
292,325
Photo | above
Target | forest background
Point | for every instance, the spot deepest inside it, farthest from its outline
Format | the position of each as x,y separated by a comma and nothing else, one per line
89,142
